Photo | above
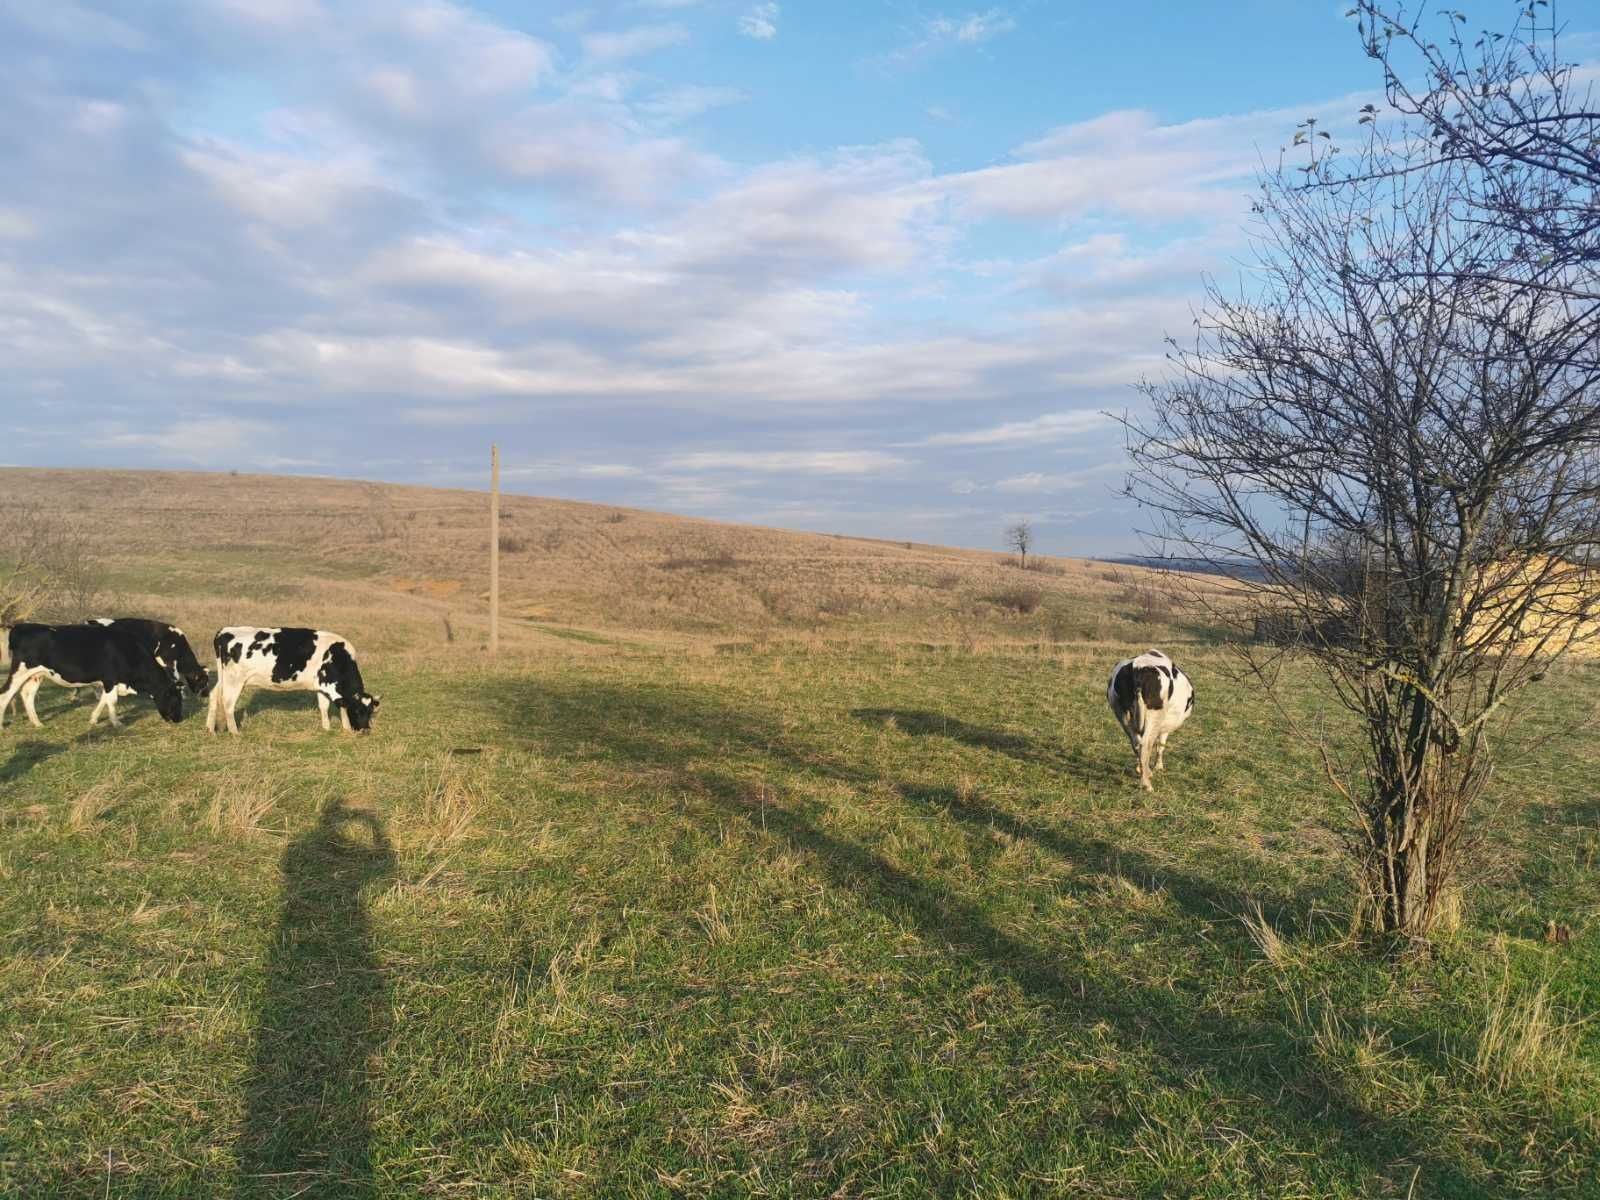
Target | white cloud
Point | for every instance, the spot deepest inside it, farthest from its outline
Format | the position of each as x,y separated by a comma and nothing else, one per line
790,462
280,15
567,470
972,28
760,22
15,225
633,43
199,440
937,34
1051,427
1048,483
675,105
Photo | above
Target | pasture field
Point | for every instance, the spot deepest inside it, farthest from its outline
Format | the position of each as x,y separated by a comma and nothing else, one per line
860,903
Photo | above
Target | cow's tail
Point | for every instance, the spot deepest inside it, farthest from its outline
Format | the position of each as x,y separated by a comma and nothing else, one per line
1152,687
1148,695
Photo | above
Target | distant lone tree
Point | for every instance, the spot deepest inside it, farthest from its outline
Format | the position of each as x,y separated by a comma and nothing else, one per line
1019,537
1398,430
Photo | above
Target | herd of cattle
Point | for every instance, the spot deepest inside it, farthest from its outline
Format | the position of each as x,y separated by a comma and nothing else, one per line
123,656
126,656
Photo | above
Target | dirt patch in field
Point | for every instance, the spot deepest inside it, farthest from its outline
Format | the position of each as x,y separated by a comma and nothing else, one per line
436,589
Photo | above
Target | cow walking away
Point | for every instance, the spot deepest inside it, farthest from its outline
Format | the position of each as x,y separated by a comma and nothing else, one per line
74,656
1150,697
289,660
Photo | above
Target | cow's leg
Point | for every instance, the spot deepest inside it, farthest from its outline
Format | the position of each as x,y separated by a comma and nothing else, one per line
214,701
229,703
1161,752
1145,743
1126,721
109,699
322,707
94,717
20,677
344,718
29,691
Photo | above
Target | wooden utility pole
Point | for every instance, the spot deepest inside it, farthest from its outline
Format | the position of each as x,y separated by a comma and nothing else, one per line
494,552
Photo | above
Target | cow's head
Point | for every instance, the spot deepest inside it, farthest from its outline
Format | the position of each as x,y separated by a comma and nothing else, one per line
186,668
362,708
169,700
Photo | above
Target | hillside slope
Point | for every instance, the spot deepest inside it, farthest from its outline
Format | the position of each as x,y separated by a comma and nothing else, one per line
301,546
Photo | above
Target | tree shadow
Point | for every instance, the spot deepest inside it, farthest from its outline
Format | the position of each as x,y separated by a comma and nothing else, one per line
694,735
1258,1061
324,1011
1198,896
924,723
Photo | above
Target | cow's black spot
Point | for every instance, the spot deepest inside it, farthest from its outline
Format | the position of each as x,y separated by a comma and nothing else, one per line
1123,687
228,647
1149,679
294,647
1172,684
336,664
1190,704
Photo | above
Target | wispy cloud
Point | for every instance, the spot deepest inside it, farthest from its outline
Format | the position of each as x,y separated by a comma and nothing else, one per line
790,462
760,22
937,34
972,28
196,440
1044,483
633,43
1051,427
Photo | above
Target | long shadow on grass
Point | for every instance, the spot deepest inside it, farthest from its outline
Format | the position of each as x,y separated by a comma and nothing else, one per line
917,722
694,735
324,1011
27,756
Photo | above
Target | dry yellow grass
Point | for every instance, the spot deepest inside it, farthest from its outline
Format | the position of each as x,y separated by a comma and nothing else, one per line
403,570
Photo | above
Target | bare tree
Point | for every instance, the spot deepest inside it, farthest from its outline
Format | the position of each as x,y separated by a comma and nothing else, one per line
1019,537
1507,103
1399,432
47,568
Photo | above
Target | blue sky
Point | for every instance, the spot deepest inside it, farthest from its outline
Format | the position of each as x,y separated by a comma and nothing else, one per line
870,267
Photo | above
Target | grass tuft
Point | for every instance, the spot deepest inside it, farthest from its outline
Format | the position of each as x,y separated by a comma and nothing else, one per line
1523,1040
1265,935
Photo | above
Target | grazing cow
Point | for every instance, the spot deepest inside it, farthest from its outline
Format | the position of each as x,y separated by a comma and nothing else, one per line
289,660
1150,697
75,655
170,648
165,643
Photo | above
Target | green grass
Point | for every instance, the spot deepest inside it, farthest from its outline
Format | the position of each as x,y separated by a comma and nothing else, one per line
784,923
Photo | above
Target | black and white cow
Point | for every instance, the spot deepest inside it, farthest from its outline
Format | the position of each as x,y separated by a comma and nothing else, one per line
1150,697
166,644
170,648
78,655
289,660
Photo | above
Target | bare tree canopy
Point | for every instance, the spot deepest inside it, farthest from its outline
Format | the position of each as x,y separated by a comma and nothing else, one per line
1505,101
46,568
1398,430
